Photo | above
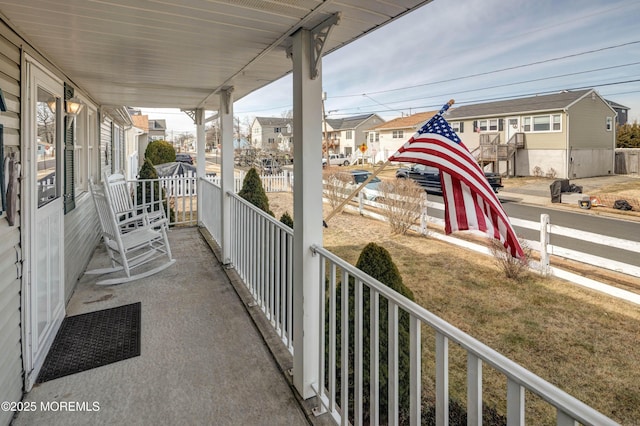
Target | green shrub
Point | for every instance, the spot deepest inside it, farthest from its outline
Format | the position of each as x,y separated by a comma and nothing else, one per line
376,261
287,219
150,193
253,192
160,152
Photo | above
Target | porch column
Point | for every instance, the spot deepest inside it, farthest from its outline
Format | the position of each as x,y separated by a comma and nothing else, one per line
307,212
226,168
200,156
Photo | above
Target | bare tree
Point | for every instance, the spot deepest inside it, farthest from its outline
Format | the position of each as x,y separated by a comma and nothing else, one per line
402,201
513,267
335,186
46,123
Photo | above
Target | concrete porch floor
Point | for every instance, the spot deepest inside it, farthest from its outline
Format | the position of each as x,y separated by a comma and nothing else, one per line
202,361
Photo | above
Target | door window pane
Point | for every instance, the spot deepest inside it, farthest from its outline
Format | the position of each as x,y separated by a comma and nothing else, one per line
47,147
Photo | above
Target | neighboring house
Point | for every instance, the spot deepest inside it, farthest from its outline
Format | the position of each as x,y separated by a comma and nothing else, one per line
268,133
346,135
386,139
141,129
622,112
569,135
157,130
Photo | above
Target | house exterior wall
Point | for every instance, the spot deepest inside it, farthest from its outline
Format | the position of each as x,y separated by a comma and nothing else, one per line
106,142
11,369
388,145
81,236
591,142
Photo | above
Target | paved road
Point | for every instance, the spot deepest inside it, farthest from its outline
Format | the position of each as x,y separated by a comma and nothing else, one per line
613,227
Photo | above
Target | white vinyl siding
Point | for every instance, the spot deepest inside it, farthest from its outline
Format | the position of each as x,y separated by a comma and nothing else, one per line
11,369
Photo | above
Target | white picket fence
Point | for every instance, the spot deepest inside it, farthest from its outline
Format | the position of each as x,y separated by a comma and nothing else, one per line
185,185
542,245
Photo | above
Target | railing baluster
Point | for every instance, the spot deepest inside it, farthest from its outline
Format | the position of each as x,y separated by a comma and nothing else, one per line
358,356
515,403
415,381
374,362
474,390
442,380
564,419
393,365
321,359
344,350
332,337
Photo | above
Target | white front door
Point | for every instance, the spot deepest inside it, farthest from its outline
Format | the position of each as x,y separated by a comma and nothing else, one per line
44,283
513,126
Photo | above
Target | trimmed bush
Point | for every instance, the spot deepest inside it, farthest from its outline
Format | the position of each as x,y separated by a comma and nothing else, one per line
150,193
287,219
376,261
160,152
253,192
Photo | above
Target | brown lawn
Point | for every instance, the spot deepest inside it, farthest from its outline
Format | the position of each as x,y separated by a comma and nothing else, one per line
584,342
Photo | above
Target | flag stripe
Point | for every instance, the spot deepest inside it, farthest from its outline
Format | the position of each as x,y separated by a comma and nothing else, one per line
470,202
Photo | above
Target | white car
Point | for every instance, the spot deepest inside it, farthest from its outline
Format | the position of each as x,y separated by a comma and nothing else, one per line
336,160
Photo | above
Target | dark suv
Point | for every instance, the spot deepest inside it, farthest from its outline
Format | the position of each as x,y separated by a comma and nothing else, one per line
182,157
429,178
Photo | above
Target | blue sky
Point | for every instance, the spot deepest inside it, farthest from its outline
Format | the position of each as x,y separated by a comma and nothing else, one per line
472,51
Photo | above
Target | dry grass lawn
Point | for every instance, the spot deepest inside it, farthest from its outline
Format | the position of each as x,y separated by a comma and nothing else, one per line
584,342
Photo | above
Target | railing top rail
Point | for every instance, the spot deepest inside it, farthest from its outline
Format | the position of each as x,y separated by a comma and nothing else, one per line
260,213
553,395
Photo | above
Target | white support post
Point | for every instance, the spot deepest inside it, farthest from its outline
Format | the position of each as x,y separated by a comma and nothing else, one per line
201,161
226,169
544,242
307,200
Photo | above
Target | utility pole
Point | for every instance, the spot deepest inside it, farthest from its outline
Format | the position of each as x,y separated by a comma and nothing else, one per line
325,141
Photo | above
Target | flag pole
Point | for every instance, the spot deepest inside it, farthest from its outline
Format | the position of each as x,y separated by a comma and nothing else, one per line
335,211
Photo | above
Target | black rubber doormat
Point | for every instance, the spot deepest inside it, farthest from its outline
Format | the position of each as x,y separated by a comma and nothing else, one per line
92,340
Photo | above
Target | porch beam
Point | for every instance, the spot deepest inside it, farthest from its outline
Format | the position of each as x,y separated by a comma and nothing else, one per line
226,169
307,198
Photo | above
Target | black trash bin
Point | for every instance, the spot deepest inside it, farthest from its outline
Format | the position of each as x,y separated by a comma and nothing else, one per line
557,188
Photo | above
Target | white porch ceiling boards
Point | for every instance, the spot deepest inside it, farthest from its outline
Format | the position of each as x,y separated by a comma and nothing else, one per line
177,53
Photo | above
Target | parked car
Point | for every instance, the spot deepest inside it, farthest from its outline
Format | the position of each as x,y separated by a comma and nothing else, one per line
370,191
336,160
183,157
429,178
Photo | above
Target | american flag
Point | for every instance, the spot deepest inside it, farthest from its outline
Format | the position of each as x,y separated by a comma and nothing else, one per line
470,203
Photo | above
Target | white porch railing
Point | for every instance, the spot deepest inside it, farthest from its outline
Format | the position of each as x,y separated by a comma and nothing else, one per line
180,193
568,409
262,255
261,252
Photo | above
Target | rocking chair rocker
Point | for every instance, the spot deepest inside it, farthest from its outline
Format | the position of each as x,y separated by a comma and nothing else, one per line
129,248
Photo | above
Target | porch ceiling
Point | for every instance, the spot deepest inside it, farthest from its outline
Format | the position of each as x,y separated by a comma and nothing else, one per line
178,53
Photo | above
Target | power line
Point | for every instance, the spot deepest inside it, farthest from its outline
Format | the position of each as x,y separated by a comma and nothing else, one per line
500,98
573,55
509,84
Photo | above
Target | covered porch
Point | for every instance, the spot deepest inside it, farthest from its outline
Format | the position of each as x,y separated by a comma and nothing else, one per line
202,358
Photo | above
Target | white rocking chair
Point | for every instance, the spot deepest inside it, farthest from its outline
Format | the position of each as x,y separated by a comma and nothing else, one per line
131,248
128,214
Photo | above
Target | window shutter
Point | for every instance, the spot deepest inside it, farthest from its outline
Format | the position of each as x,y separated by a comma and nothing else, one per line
462,127
69,178
501,124
475,125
